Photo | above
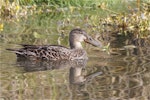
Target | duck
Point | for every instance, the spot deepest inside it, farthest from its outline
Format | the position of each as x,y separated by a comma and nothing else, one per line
58,52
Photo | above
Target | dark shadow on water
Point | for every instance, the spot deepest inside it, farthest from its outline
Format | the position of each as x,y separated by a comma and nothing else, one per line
76,67
38,65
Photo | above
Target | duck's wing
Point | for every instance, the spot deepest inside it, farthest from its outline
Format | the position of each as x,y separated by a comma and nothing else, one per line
48,52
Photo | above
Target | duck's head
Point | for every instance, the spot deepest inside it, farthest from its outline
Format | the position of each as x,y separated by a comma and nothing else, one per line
77,36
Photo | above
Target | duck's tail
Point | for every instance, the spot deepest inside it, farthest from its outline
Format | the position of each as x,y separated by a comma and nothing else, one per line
18,52
14,50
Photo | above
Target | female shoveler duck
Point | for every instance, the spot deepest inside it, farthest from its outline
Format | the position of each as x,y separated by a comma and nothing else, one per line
56,52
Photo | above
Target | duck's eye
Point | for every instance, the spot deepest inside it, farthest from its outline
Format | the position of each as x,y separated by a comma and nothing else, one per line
90,38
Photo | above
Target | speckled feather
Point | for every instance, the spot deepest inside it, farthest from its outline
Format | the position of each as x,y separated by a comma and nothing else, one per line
49,52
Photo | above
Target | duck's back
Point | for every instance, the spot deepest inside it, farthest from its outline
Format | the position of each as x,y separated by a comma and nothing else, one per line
49,52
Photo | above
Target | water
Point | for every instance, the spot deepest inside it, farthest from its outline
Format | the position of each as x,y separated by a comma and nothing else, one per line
102,77
122,73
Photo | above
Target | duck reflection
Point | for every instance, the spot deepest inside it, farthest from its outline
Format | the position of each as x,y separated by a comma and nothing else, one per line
76,72
77,75
75,66
42,65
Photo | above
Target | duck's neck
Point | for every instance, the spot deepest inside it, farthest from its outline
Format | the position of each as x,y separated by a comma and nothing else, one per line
75,45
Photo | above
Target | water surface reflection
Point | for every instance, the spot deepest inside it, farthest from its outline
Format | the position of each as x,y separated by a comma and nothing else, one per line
121,75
